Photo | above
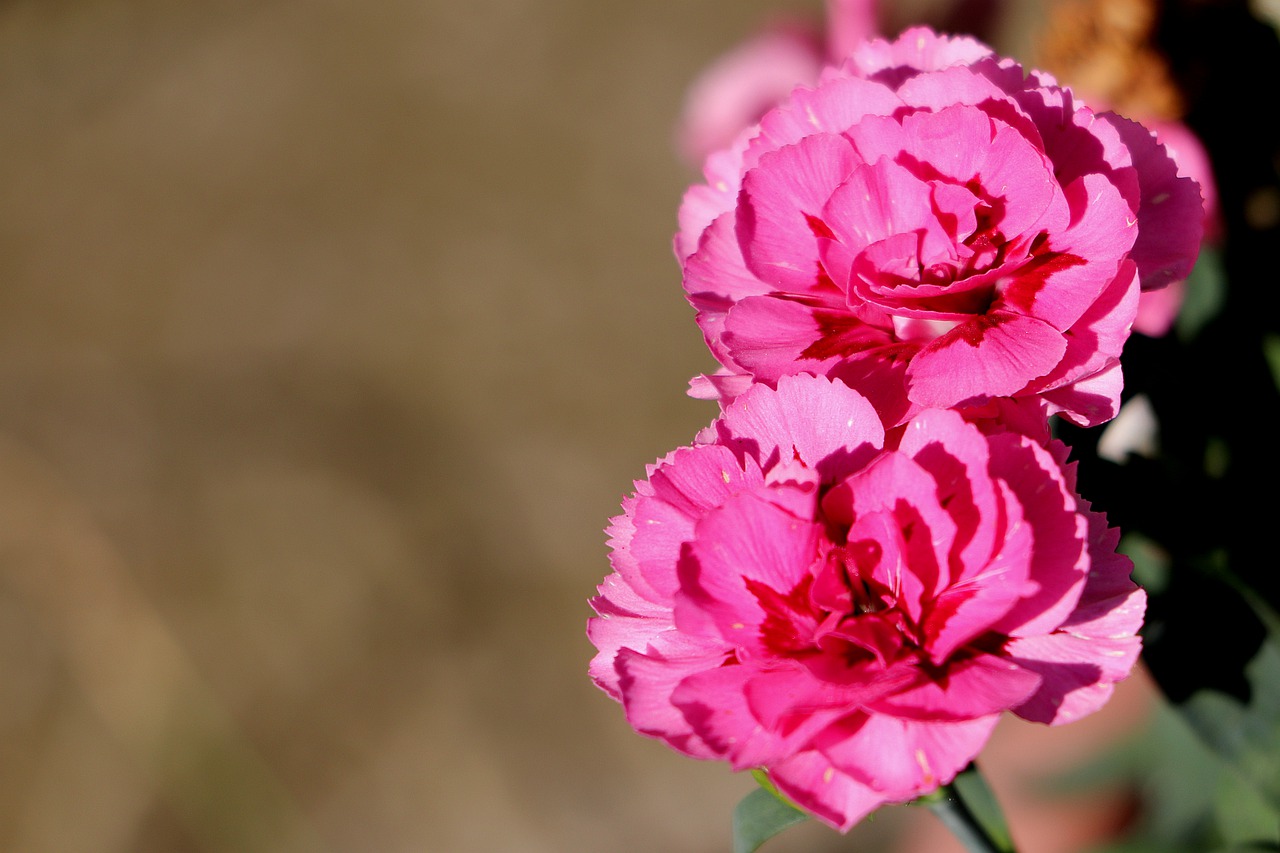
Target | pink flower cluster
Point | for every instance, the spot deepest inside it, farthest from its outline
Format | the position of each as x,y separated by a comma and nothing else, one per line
875,550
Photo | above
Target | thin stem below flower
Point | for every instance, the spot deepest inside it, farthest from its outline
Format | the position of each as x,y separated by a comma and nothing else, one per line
955,813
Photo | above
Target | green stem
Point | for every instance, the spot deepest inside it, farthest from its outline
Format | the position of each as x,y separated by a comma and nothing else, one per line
950,807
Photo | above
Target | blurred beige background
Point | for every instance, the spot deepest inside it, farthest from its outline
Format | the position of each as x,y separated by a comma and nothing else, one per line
330,336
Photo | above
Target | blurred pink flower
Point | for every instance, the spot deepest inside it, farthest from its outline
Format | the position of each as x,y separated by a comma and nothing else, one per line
1158,309
853,613
756,76
937,228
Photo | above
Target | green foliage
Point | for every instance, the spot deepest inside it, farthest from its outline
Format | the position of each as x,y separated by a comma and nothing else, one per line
978,796
761,815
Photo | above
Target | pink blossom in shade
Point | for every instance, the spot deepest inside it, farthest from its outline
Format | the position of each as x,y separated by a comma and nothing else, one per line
937,228
744,84
852,610
1158,309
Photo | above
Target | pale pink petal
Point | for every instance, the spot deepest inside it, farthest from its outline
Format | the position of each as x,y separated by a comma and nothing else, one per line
1091,401
723,385
1158,309
1078,672
743,85
811,781
849,24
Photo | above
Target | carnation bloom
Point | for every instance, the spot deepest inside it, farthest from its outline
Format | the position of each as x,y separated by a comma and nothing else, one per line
756,75
937,228
796,593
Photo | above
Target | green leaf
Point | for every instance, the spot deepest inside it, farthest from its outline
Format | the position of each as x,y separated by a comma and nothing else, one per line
761,815
1246,737
1241,815
1271,352
1205,295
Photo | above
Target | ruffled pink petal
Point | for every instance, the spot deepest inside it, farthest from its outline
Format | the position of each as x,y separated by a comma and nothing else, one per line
1079,672
690,484
647,682
723,385
714,704
880,374
956,455
903,759
1091,401
993,355
1193,162
917,49
705,203
877,200
794,700
715,278
948,87
1171,212
985,592
748,538
1086,384
833,107
782,200
1063,283
773,336
1060,559
901,489
823,424
975,687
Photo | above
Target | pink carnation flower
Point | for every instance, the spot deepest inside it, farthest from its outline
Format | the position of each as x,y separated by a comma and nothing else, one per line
794,593
938,229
